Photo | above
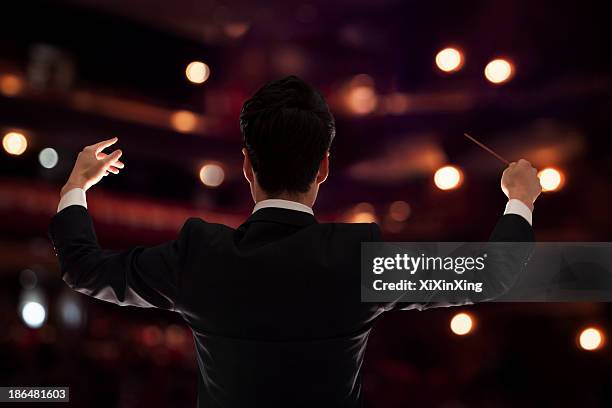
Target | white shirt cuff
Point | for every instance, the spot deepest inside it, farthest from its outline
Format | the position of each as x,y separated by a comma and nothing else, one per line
517,207
76,196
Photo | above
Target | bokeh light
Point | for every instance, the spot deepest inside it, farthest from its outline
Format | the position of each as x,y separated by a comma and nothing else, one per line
447,178
71,310
396,103
550,179
184,121
33,314
364,217
175,337
362,212
10,85
362,99
449,60
14,143
461,324
591,339
152,336
399,211
236,29
499,71
197,72
212,175
48,157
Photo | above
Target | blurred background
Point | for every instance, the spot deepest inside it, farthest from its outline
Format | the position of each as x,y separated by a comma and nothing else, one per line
405,79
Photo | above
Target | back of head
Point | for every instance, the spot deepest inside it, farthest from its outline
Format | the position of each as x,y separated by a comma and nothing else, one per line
287,129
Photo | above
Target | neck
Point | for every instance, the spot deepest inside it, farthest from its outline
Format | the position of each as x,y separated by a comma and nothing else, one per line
305,198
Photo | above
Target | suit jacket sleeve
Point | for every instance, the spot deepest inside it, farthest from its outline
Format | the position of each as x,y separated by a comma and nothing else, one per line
146,277
505,265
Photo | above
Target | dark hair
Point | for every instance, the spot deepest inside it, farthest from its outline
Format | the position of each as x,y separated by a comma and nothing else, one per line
287,129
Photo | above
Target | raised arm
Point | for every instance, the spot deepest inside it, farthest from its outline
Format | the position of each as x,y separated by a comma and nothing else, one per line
522,187
146,277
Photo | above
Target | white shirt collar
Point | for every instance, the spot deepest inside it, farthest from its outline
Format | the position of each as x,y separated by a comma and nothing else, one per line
286,204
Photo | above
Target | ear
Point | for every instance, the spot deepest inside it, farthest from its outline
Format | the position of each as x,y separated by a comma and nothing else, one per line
247,168
323,169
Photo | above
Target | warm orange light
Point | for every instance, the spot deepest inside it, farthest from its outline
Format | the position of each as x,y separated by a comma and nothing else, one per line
397,103
175,336
591,339
362,212
499,71
14,143
362,99
236,30
212,175
363,217
550,179
449,60
184,121
462,324
10,85
197,72
399,211
151,336
447,178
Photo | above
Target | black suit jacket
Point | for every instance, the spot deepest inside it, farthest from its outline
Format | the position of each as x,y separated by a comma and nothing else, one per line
274,305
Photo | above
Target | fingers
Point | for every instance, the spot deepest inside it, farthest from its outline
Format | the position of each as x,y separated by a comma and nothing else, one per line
113,157
119,164
527,164
524,163
112,163
98,147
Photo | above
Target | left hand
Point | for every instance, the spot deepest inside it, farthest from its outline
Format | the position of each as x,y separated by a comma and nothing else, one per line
92,165
520,181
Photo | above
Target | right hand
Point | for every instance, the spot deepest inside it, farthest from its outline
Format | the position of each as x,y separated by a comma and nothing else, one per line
520,181
92,164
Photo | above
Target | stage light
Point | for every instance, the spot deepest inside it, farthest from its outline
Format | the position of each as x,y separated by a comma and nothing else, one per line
449,60
184,121
175,336
362,213
362,99
591,339
33,314
48,158
71,310
14,143
212,175
10,85
447,178
499,71
550,179
397,103
363,217
461,324
151,336
364,207
360,95
399,211
197,72
236,30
